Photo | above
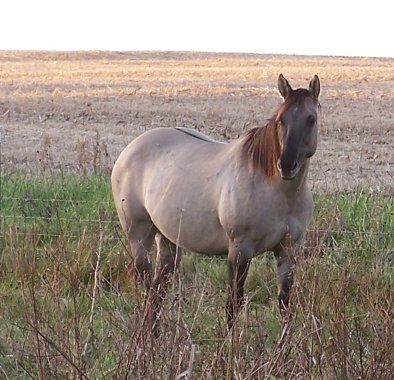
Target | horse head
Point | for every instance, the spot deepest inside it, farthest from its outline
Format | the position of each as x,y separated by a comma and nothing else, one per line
296,126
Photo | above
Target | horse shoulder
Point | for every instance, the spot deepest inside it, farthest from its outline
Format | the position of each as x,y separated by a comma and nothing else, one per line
241,204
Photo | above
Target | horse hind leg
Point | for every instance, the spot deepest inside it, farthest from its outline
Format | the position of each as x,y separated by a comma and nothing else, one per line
140,237
168,257
167,261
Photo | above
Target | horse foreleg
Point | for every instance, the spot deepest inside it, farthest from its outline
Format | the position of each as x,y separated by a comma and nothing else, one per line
285,264
238,266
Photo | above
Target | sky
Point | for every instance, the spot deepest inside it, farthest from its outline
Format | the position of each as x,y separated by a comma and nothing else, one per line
304,27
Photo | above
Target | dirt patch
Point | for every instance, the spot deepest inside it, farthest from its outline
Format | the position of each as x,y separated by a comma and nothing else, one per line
75,112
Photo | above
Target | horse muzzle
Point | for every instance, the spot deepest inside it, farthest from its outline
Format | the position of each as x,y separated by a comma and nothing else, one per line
288,171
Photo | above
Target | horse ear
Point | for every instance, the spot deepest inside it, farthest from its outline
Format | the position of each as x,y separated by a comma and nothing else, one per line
314,87
284,87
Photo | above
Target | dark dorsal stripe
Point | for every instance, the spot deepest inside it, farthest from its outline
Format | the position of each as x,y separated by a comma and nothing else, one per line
196,135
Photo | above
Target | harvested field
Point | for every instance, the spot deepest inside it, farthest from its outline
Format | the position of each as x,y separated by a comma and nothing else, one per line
77,111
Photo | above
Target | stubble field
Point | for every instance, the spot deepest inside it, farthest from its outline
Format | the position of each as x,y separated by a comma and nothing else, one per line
55,106
68,309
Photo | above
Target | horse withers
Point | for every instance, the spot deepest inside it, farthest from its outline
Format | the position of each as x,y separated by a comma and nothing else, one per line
239,199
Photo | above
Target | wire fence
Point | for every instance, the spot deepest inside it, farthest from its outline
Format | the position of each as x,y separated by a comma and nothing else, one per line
63,210
60,223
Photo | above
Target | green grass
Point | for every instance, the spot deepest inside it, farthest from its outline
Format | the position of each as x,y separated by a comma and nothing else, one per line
69,310
48,204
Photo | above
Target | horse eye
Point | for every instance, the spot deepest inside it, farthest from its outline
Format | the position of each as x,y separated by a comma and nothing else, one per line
311,120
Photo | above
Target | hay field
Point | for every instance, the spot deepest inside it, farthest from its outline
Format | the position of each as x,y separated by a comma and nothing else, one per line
67,111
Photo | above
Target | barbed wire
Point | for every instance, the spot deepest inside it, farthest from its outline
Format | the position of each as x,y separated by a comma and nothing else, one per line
56,200
115,223
50,166
121,239
60,219
56,236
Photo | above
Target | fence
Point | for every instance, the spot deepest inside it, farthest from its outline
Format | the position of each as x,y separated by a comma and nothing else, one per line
68,208
54,217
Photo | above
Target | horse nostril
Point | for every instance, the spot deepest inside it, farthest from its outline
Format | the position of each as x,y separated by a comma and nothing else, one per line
288,166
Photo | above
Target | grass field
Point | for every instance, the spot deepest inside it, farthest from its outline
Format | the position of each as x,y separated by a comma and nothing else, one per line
68,309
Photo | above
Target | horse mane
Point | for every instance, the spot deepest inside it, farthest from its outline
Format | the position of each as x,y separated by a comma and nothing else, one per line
262,145
262,148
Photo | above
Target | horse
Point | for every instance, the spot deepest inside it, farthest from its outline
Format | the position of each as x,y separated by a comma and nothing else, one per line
240,199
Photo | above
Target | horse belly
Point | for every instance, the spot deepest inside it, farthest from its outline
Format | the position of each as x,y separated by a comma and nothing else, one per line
194,230
191,222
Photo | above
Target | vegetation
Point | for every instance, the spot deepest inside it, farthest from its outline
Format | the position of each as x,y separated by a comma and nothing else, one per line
69,310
